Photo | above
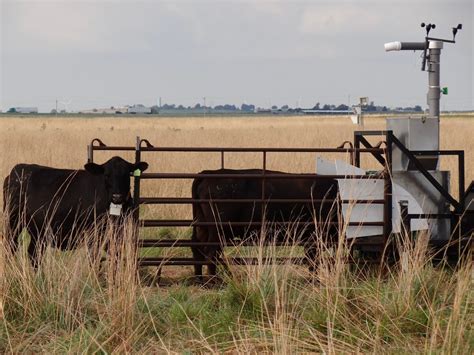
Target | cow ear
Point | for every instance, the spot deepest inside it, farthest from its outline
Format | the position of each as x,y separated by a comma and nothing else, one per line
142,166
94,169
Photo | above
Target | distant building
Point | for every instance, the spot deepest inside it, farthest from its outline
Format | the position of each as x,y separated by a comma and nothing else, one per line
24,110
106,110
138,109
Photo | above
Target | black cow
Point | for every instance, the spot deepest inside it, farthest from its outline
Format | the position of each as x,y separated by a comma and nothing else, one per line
251,188
54,205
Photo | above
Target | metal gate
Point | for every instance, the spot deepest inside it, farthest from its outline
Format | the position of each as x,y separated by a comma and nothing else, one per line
144,146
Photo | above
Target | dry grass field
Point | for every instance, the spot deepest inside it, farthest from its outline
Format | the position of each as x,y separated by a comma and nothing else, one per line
61,142
67,306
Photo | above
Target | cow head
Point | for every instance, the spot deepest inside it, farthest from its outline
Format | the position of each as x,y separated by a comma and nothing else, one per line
116,174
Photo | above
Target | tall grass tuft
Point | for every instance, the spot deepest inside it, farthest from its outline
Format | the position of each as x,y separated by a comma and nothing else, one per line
74,303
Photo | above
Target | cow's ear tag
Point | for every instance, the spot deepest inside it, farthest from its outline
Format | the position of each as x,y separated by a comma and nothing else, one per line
115,210
137,172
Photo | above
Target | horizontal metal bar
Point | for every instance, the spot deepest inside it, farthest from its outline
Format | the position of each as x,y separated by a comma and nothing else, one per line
370,133
186,200
259,150
178,243
191,223
436,152
239,150
254,176
440,39
185,243
163,243
430,216
231,261
273,260
452,243
171,262
358,242
235,260
95,147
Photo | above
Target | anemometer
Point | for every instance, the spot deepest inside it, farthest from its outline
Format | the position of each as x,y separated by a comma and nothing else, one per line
431,48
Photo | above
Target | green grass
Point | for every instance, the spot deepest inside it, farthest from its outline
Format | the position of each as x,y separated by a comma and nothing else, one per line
69,305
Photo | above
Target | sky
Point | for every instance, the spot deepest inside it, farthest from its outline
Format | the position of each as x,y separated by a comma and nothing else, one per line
88,54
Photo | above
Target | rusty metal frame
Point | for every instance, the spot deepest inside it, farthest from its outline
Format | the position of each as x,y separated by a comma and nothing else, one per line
361,145
263,177
419,166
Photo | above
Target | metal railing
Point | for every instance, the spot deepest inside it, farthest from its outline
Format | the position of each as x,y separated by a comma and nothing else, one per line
144,146
382,152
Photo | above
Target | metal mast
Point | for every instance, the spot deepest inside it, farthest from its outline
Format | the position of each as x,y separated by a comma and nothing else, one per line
431,48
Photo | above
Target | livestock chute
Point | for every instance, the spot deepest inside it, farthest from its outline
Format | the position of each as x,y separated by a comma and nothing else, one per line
353,190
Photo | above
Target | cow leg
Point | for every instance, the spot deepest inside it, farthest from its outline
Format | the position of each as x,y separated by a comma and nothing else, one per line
94,252
213,253
95,245
210,253
35,249
199,254
311,253
12,230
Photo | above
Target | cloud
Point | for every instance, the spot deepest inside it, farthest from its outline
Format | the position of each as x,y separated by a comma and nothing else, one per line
70,26
120,49
339,18
187,14
270,8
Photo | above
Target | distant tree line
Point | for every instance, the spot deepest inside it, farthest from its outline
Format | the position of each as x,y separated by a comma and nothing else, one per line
371,107
250,108
198,107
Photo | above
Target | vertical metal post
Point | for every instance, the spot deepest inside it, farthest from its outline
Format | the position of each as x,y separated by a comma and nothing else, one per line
356,154
387,228
90,154
222,159
136,183
404,217
263,192
433,47
462,187
434,90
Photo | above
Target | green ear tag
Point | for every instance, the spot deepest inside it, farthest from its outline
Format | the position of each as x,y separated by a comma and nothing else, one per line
137,172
